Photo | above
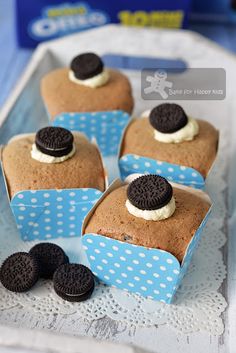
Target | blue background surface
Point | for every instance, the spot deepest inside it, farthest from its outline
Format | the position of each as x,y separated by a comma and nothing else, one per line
13,60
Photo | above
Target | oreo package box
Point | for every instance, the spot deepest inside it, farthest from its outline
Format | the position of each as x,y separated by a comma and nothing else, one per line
47,213
167,142
147,271
218,11
49,19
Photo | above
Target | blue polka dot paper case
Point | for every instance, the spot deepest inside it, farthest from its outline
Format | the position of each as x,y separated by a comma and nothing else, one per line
106,127
132,164
48,214
152,273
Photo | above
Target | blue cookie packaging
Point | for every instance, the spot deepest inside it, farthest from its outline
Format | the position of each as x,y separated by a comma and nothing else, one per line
49,19
218,11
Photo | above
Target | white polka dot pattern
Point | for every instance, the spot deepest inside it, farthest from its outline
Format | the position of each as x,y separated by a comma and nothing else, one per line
191,248
130,164
61,215
152,272
106,127
140,270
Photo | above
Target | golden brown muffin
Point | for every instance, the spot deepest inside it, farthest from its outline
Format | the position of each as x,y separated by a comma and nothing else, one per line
62,95
112,219
199,153
83,170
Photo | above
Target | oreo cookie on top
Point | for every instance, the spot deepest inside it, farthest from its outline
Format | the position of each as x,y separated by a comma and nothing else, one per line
87,65
168,118
149,192
54,141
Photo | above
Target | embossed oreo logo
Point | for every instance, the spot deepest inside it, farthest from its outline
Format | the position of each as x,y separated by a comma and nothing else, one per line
64,19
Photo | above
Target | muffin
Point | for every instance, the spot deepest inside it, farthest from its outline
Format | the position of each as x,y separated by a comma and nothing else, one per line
54,158
167,134
149,212
86,87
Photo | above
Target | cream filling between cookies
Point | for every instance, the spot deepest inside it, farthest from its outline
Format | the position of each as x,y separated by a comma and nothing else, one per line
93,82
152,215
45,158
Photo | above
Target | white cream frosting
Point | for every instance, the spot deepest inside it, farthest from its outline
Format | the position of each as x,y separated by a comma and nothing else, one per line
45,158
187,133
93,82
152,215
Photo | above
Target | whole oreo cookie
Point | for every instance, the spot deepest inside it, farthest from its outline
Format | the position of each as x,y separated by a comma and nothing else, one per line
73,282
54,141
19,272
86,65
149,192
168,118
49,257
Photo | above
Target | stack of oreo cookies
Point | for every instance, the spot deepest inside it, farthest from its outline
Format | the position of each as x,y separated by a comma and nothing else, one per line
72,282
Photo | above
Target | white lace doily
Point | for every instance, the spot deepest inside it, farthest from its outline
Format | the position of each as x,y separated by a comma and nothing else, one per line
198,304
